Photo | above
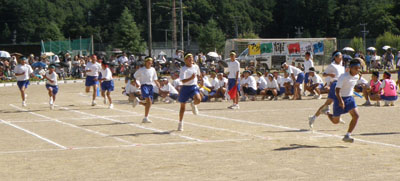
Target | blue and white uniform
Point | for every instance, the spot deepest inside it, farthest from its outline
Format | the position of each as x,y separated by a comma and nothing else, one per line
338,70
146,78
108,83
307,65
316,79
346,84
233,68
53,85
23,80
93,74
298,74
190,88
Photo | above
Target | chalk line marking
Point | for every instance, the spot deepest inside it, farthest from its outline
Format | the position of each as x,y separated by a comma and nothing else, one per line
287,128
71,125
134,125
33,134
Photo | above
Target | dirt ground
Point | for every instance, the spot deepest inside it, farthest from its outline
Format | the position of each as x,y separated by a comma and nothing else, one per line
264,140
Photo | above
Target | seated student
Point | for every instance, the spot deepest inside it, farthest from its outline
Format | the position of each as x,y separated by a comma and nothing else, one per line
206,80
288,84
261,84
214,85
204,91
220,86
272,88
249,86
361,84
132,90
176,82
167,91
372,92
316,83
388,89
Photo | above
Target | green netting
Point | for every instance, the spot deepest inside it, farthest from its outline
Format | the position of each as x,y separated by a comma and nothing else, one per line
77,46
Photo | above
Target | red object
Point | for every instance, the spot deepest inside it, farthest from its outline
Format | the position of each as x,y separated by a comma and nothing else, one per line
294,48
232,93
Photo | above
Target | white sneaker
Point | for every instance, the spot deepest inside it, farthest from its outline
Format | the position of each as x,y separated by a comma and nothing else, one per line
180,126
105,101
110,106
194,108
311,120
348,139
317,96
146,120
23,104
135,102
94,103
231,106
341,121
236,106
367,103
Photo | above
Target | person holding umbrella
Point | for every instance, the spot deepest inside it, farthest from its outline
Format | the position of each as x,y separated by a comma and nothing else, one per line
23,71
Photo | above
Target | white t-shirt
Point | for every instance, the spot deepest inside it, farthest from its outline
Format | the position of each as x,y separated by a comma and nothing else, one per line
307,65
346,83
362,81
169,88
176,83
233,68
294,70
336,69
94,69
26,69
272,84
122,59
214,83
286,80
206,82
316,79
251,81
146,76
187,72
131,88
279,79
52,77
106,74
222,83
262,83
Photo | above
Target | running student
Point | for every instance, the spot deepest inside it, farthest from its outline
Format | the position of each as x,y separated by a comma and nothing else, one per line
233,79
297,76
22,72
107,84
51,85
344,102
388,89
333,71
189,75
92,73
316,84
146,75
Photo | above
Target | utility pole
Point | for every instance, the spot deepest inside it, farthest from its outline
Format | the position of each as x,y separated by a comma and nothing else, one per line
364,32
299,31
236,26
188,34
175,45
182,40
149,41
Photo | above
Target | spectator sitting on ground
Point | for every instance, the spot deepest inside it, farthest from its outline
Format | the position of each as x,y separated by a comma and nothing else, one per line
167,91
372,92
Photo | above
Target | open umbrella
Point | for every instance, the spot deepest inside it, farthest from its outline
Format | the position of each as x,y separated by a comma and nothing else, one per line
213,54
349,49
386,47
371,49
4,54
116,50
39,64
47,54
162,53
16,54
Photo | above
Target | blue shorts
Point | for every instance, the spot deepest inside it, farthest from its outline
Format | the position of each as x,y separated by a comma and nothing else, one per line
332,92
281,90
174,96
320,86
306,78
147,91
389,98
300,78
212,93
349,104
90,81
107,85
358,88
249,91
205,99
23,83
53,87
188,92
231,84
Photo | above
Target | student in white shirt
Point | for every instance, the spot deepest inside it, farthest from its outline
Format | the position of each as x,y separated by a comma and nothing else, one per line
316,83
308,63
272,87
92,72
216,90
334,70
344,102
298,78
22,72
132,90
167,91
233,79
249,85
147,76
189,74
261,83
51,84
107,83
176,82
206,82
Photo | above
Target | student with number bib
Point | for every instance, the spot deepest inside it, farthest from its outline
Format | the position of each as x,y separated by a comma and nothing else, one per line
389,90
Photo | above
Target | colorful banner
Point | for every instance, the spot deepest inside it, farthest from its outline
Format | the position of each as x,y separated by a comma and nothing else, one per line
319,48
306,47
280,48
254,49
266,48
294,48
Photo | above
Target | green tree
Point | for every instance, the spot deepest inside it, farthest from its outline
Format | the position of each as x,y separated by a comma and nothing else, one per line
389,39
6,34
127,35
357,44
211,37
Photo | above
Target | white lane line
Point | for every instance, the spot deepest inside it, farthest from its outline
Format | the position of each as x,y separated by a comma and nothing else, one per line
287,128
134,125
126,146
33,134
202,126
71,125
32,121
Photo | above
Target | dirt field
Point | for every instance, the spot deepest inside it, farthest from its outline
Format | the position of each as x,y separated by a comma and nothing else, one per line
264,140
